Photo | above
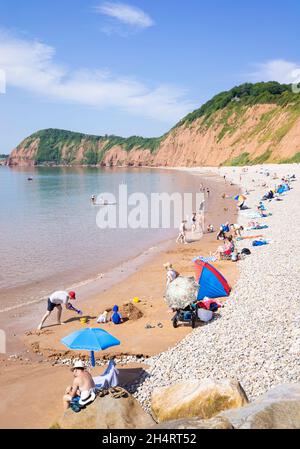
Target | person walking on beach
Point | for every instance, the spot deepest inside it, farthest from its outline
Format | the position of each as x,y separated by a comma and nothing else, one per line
182,233
194,222
83,387
55,301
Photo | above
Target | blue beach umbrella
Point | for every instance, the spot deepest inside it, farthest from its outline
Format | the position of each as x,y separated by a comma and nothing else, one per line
90,339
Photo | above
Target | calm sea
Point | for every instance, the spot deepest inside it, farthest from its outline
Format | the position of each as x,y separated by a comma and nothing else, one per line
49,236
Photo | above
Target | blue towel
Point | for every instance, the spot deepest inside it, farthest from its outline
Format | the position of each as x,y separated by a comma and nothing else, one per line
259,243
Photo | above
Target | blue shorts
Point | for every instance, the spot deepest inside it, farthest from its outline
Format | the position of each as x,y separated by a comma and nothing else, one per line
51,306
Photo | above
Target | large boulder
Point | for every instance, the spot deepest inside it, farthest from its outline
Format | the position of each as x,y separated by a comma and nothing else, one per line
279,408
202,399
195,423
107,413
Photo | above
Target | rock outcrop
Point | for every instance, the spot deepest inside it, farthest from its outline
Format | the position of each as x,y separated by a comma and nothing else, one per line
107,413
279,408
202,399
194,423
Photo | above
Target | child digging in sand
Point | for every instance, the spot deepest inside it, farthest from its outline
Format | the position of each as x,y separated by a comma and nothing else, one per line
116,317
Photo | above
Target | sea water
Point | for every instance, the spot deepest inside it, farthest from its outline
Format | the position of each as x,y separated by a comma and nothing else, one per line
49,233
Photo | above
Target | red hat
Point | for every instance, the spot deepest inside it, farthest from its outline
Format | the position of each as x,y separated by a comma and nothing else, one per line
72,295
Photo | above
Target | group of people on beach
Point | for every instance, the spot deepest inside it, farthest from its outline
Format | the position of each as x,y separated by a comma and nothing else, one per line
83,386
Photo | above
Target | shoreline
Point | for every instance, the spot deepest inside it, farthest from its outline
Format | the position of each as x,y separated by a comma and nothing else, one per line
16,293
42,351
20,318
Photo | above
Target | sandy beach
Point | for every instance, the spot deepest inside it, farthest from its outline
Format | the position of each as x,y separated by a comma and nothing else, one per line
36,352
255,338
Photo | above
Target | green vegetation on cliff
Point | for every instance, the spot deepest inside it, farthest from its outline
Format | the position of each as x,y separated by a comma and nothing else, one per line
59,146
233,125
245,95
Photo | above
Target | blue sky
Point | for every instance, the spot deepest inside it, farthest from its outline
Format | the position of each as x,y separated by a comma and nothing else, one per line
134,67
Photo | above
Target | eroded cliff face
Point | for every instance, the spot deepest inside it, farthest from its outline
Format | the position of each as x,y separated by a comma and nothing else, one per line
24,156
256,134
263,132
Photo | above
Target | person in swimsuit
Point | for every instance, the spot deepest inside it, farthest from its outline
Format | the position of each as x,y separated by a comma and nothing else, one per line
83,387
182,233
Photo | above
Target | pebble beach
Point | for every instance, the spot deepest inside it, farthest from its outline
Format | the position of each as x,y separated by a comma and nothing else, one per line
256,337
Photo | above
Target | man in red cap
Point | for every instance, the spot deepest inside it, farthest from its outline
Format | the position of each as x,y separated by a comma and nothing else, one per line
55,301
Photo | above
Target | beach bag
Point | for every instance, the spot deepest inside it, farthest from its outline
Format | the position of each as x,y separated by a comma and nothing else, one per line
246,251
213,307
205,315
75,406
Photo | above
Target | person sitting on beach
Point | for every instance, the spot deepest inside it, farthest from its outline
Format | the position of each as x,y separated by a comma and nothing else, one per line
116,317
55,301
103,317
221,234
237,229
83,387
171,273
225,250
261,209
223,229
210,229
182,233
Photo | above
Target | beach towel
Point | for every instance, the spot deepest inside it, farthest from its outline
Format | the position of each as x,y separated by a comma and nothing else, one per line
205,259
110,377
252,215
259,243
248,237
257,228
